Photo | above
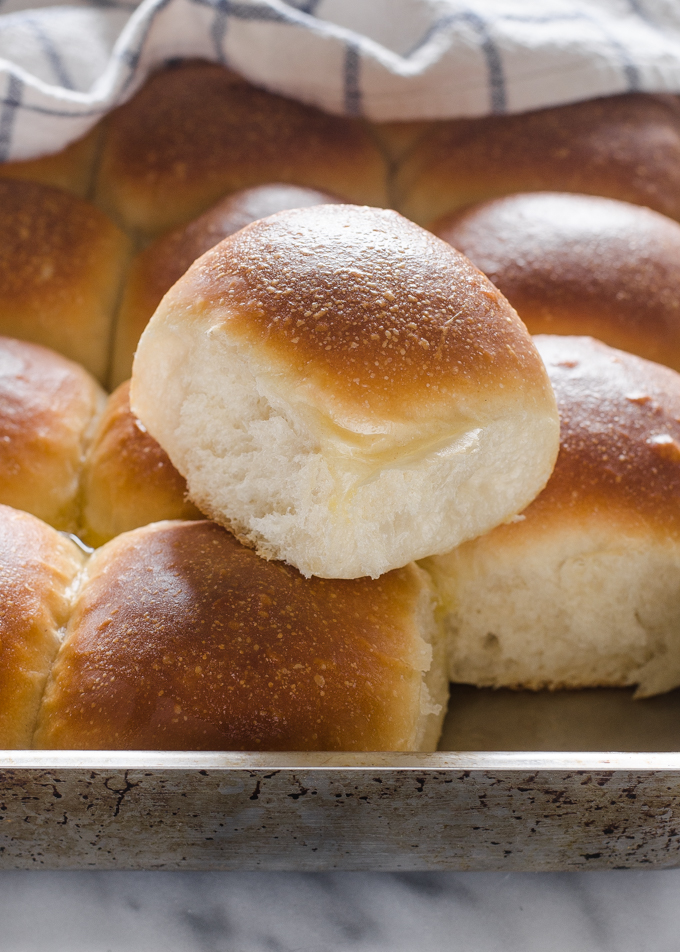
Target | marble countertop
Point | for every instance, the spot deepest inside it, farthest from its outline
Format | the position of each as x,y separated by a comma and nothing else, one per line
626,911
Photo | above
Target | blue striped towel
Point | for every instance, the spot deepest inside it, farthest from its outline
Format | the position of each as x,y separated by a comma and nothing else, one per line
63,67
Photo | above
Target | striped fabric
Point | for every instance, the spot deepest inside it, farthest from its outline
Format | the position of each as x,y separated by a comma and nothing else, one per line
63,67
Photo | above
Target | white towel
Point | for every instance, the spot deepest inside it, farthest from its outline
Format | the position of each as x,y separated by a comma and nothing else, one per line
63,67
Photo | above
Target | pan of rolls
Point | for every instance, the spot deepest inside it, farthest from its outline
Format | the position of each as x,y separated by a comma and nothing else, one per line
340,488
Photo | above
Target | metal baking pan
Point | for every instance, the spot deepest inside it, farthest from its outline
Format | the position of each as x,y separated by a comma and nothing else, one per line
520,783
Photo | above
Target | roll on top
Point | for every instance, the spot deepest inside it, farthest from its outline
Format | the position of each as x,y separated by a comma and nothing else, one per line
578,264
349,300
383,354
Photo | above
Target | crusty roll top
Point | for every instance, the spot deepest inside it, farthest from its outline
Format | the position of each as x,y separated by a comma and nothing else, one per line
345,300
49,240
577,264
619,437
183,639
61,263
625,147
197,132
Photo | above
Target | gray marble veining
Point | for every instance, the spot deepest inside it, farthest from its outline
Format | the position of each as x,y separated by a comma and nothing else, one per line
626,911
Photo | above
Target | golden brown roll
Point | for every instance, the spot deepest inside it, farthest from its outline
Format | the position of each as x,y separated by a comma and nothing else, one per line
38,569
582,589
48,411
70,169
128,480
155,270
577,264
195,133
61,267
346,392
182,639
625,147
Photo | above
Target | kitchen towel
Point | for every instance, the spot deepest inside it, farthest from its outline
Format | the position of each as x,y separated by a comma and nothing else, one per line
63,67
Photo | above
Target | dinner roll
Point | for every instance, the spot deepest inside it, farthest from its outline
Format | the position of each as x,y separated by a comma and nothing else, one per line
128,480
183,639
577,264
70,169
38,569
61,265
625,147
583,589
156,269
195,132
48,410
346,392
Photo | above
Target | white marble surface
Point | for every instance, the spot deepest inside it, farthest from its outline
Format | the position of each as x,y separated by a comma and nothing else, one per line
626,911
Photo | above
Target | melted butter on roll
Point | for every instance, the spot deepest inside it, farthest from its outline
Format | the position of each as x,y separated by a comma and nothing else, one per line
346,392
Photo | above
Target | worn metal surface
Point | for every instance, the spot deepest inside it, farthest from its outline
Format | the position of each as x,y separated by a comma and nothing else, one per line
510,811
521,810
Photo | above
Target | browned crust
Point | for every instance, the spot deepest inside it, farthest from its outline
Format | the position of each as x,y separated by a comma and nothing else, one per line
577,264
193,133
353,299
37,568
619,458
159,266
47,408
184,639
61,263
625,147
128,479
70,169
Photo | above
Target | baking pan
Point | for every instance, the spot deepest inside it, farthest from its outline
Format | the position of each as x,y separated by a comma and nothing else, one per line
494,809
